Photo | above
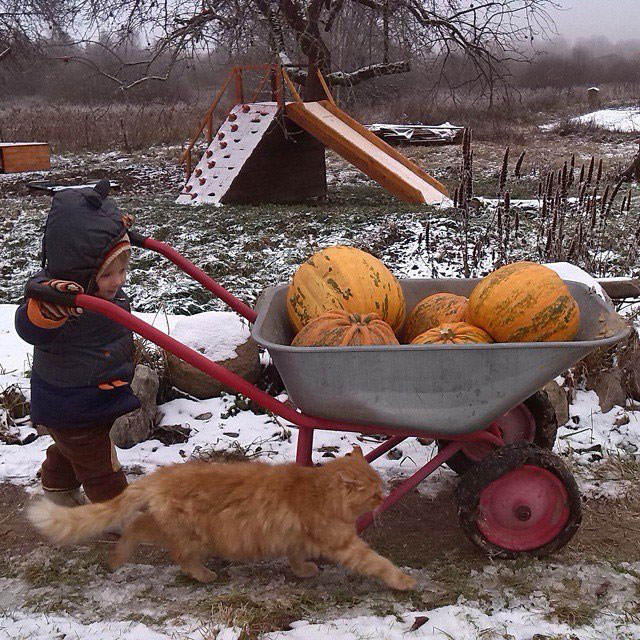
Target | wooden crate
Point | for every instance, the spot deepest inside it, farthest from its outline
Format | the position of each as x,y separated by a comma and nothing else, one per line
24,156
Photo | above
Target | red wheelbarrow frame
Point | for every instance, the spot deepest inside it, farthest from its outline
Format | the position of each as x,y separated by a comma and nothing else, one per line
306,424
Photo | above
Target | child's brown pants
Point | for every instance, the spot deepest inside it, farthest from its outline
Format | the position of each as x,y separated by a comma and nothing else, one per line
83,456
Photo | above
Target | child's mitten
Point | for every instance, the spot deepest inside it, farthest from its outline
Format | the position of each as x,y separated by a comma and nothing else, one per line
57,312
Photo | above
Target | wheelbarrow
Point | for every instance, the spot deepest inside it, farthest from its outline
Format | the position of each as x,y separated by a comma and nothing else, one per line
477,401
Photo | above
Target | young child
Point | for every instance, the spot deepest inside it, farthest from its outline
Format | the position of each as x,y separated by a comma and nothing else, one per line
82,362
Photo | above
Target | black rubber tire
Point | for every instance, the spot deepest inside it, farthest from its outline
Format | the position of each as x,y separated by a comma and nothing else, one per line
494,466
544,416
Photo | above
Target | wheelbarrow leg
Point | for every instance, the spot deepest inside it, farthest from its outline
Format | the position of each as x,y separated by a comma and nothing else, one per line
365,520
387,445
305,446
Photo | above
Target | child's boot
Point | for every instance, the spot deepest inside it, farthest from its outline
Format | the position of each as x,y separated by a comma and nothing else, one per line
66,497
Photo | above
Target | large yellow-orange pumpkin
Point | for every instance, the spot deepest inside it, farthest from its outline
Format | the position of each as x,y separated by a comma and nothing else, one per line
432,311
453,333
348,279
524,302
342,329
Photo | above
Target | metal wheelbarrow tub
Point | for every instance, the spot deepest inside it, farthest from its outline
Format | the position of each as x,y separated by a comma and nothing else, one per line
448,389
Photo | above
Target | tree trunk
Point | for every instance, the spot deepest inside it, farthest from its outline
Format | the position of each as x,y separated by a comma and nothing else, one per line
633,170
313,90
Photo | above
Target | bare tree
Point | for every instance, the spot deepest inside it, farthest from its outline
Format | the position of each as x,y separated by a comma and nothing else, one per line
484,35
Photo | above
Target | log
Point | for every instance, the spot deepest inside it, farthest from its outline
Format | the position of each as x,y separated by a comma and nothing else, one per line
621,289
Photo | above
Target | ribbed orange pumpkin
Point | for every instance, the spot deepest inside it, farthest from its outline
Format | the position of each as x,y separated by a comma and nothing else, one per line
524,302
453,333
432,311
347,279
344,329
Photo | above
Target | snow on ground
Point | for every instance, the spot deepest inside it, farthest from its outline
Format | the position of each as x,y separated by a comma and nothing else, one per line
215,425
627,119
219,246
624,119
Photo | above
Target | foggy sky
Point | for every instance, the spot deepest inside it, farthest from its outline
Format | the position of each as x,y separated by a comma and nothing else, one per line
613,19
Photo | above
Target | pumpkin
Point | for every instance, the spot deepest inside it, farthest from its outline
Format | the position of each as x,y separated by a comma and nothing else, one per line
453,333
432,311
524,302
347,279
344,329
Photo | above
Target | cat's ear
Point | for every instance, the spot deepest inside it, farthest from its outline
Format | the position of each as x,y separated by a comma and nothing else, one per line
357,451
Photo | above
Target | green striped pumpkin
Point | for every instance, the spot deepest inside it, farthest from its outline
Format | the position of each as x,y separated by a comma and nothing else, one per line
524,302
344,329
344,279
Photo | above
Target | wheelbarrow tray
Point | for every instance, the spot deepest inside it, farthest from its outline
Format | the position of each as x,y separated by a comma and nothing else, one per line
447,389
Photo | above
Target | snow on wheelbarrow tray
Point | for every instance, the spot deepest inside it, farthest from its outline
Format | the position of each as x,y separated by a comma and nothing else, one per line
447,389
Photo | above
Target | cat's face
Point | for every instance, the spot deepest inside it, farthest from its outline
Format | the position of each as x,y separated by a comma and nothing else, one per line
361,485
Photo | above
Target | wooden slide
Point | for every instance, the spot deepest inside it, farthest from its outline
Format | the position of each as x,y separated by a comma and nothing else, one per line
355,143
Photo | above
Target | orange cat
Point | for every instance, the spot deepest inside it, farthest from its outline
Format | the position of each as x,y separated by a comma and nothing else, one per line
238,511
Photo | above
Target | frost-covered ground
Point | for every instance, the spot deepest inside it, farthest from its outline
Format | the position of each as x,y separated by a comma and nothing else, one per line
249,248
578,593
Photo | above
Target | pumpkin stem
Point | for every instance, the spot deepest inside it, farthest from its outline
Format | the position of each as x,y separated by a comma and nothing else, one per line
447,334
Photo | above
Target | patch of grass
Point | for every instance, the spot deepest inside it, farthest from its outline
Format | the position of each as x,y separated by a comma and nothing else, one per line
453,580
572,607
8,567
54,603
617,468
60,570
255,617
146,619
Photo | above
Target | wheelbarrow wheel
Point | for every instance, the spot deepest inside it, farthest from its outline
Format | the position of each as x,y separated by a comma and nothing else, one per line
520,500
532,421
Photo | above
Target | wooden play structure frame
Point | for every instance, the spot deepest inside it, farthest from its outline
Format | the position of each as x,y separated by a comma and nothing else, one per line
325,122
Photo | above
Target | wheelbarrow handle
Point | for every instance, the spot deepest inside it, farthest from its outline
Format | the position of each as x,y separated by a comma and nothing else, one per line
137,239
49,294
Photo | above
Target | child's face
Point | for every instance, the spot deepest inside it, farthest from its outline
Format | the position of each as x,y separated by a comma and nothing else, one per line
113,277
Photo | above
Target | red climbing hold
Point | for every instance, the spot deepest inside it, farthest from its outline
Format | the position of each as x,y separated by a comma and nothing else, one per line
202,180
198,172
246,108
211,164
209,153
194,195
188,187
232,117
223,145
220,135
234,127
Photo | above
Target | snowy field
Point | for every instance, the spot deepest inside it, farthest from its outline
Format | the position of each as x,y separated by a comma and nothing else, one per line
578,594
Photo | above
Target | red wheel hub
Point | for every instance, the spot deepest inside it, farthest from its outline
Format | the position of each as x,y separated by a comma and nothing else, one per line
516,425
524,509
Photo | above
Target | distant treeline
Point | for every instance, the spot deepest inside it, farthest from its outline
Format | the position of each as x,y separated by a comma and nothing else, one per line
79,75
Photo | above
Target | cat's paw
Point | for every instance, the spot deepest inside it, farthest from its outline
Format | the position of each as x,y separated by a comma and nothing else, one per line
201,574
119,556
306,570
402,581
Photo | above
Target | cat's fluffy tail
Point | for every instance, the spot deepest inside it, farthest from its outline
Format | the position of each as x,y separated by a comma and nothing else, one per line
68,525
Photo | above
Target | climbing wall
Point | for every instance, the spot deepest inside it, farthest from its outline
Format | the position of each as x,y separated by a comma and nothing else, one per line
228,153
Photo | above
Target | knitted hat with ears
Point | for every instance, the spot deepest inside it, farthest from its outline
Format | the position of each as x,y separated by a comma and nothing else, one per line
118,249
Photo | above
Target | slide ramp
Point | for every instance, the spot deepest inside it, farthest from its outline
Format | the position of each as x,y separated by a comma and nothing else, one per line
362,148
